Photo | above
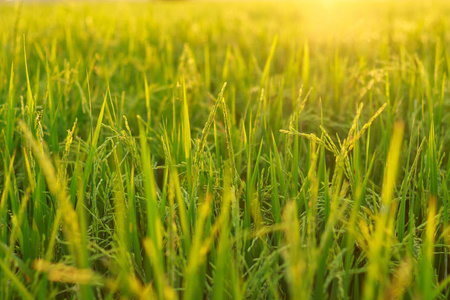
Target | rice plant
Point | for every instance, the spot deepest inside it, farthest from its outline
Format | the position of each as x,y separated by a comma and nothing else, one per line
224,150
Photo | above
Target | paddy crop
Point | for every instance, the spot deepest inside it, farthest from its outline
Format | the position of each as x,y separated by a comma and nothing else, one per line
224,150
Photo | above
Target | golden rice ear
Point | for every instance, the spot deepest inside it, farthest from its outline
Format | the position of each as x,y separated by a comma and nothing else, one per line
71,225
63,273
62,170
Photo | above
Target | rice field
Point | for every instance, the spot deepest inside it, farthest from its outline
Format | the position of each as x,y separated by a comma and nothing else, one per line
225,150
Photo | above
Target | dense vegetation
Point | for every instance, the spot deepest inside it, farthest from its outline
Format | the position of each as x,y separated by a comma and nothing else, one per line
224,150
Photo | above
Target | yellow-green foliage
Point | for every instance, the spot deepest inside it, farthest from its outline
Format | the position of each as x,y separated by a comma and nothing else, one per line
225,150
